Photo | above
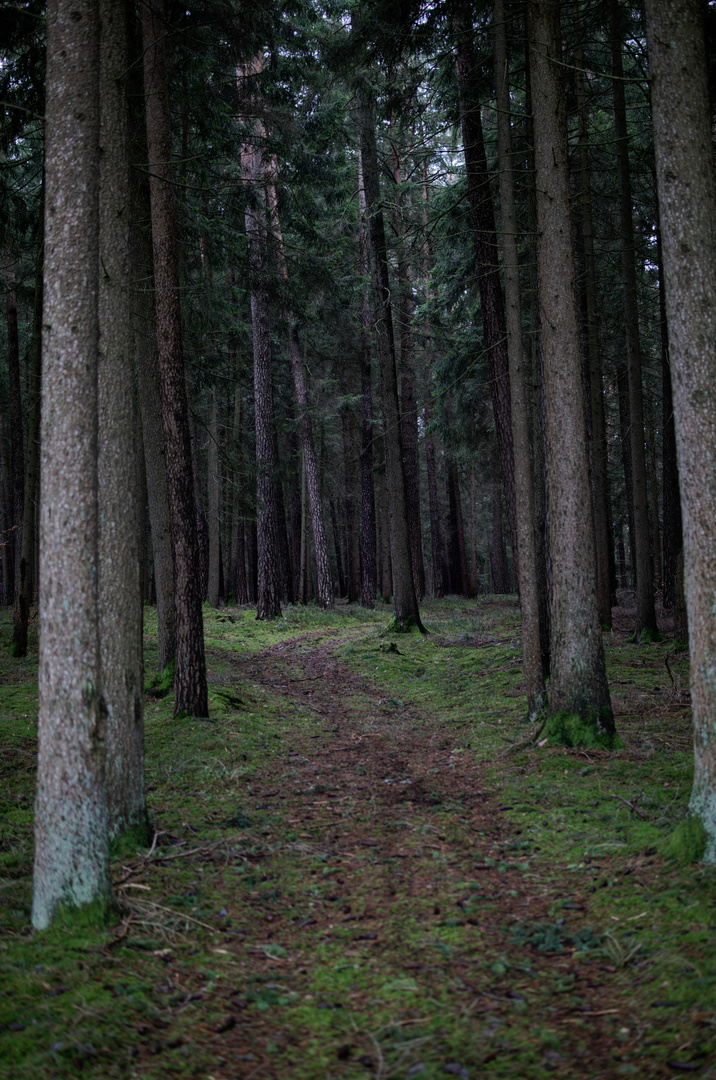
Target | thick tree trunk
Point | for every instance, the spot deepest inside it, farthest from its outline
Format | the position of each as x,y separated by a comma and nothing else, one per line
487,257
120,516
524,492
646,628
405,603
686,181
190,690
368,525
71,843
579,693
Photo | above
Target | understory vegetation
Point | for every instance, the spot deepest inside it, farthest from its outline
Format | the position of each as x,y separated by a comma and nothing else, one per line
361,866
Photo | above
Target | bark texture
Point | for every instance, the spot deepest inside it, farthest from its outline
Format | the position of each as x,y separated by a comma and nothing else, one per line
524,494
646,628
71,847
118,468
190,690
686,181
368,524
487,258
578,681
405,602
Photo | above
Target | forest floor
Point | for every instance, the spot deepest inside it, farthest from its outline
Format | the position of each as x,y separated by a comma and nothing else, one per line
351,877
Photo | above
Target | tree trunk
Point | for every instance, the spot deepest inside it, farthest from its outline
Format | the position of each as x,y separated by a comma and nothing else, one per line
487,257
646,628
213,517
408,403
458,557
368,527
190,690
120,515
625,441
498,550
405,603
686,181
579,693
71,867
524,492
26,580
325,591
598,442
17,453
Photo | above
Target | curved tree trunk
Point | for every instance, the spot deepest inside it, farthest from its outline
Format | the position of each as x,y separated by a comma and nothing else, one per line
190,690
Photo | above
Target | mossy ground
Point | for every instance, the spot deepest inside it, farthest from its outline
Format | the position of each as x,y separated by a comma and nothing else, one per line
349,878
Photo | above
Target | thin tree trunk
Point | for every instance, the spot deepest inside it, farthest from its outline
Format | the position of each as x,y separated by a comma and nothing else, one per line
405,603
26,581
579,693
524,492
646,628
598,442
368,525
190,689
121,517
213,486
17,453
498,550
325,591
486,253
458,561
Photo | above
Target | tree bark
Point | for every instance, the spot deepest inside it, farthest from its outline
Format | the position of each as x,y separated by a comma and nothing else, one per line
26,580
487,258
325,590
579,694
71,867
598,441
686,181
213,516
498,550
368,525
120,514
524,492
17,452
405,603
646,628
458,557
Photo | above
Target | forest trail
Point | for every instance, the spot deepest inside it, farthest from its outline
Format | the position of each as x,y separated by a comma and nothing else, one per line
349,878
409,914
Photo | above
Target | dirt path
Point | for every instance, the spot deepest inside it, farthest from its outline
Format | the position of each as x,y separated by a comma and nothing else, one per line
407,929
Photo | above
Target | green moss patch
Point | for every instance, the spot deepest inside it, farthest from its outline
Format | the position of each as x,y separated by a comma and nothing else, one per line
687,843
573,729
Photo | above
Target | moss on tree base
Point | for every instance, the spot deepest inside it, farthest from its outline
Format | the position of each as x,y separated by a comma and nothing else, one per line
162,683
404,626
687,844
596,728
130,839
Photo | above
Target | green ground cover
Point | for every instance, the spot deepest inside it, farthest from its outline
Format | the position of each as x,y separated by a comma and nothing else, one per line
355,873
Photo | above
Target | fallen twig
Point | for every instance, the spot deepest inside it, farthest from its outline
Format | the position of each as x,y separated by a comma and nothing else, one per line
529,741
